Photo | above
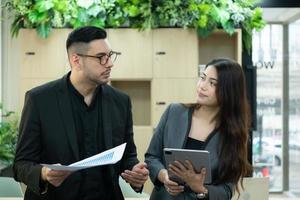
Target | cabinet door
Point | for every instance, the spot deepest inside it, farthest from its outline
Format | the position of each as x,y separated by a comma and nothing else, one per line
142,138
140,94
43,58
166,91
175,53
135,61
220,44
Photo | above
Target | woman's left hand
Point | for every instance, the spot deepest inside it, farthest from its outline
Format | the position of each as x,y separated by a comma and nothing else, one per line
187,173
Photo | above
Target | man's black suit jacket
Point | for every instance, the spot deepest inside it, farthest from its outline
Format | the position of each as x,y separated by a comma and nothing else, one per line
47,135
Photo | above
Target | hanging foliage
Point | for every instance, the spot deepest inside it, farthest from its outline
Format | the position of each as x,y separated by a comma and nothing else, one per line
203,15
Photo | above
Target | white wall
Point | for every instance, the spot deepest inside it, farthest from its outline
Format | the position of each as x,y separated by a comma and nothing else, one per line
9,64
0,54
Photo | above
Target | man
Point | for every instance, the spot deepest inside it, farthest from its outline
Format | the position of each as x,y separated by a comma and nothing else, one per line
74,118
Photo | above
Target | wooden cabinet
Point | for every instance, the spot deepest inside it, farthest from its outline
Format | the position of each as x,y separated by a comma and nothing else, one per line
142,138
43,58
220,44
135,61
140,94
167,91
175,53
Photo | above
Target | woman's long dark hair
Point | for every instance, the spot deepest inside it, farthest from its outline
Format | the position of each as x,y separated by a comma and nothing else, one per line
233,121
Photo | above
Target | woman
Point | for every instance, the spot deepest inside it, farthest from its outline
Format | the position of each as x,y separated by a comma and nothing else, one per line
218,123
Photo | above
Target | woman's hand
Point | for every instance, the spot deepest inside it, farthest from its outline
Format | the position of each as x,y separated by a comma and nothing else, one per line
171,187
187,173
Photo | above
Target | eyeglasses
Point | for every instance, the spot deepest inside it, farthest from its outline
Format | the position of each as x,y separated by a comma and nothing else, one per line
103,59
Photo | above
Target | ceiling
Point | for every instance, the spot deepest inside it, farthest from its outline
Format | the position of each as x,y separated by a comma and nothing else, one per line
281,15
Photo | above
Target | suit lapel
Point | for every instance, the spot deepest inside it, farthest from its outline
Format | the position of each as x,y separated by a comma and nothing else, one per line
186,125
180,128
67,117
106,117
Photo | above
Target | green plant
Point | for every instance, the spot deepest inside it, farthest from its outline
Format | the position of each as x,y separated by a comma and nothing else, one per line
203,15
8,136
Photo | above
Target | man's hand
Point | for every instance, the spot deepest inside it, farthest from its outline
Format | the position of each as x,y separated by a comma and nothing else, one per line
137,176
54,177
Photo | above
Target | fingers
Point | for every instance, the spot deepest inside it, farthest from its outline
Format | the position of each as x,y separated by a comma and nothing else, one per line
58,173
141,168
174,189
179,165
170,183
177,169
134,178
55,177
141,165
57,181
134,175
203,173
189,165
138,175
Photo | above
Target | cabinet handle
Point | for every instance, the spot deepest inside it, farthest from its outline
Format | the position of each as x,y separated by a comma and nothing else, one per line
30,53
159,103
160,53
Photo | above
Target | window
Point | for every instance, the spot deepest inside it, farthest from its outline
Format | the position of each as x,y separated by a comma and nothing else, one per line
294,107
267,147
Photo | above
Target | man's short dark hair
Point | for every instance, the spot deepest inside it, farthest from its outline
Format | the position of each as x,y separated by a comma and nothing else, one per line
85,34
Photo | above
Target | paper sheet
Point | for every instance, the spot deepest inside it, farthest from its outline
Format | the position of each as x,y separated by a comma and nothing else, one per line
107,157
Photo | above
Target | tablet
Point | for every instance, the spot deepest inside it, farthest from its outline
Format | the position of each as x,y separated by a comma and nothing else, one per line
199,158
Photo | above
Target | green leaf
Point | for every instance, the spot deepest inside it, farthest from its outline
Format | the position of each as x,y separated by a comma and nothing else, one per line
215,13
15,27
83,15
135,2
121,2
98,22
204,8
75,22
37,17
202,22
203,32
94,10
247,39
60,5
257,22
7,114
224,16
8,137
43,5
193,7
133,11
44,29
229,27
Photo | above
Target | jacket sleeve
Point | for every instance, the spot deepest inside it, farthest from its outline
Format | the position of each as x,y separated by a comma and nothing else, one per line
26,165
130,154
220,192
154,154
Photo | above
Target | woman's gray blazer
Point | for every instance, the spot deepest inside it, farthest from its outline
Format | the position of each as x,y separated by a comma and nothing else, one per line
172,132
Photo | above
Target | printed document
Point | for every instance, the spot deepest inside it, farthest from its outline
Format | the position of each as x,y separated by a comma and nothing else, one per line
107,157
